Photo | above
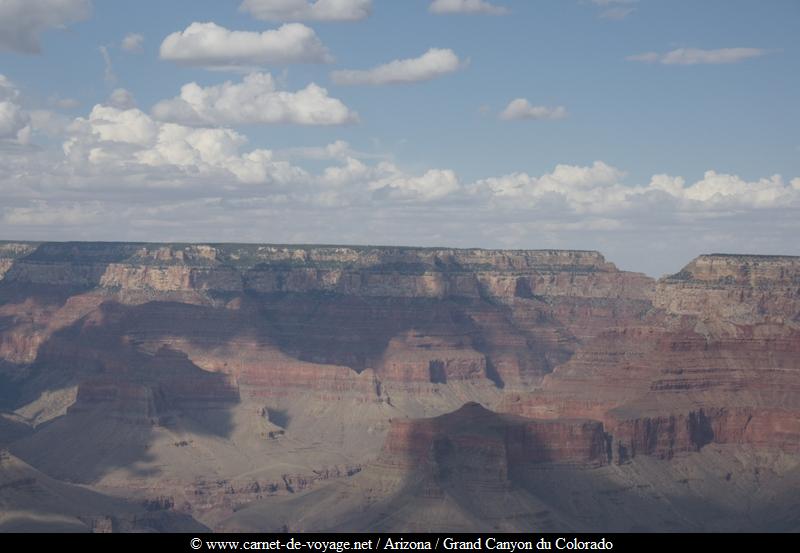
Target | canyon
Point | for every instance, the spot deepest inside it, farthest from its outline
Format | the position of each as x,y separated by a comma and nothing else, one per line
245,387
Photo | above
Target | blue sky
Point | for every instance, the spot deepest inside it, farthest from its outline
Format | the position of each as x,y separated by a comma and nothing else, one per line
650,130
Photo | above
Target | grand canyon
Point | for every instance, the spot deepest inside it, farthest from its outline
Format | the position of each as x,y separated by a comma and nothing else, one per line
242,387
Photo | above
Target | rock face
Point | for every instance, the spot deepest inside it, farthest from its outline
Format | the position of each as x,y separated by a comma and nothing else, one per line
412,315
222,374
717,359
734,288
491,445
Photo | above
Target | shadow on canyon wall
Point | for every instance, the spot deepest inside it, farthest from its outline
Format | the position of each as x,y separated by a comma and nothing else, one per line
131,377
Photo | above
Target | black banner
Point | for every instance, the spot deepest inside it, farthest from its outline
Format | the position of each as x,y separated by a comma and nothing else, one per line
341,543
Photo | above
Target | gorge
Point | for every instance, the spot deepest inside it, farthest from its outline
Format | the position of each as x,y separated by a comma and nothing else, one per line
243,387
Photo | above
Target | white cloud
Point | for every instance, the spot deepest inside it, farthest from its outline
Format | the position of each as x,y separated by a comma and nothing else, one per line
354,182
572,188
113,124
122,99
131,145
132,42
598,190
23,21
433,185
300,10
723,190
433,63
693,56
522,109
210,45
255,100
339,149
466,6
115,150
15,122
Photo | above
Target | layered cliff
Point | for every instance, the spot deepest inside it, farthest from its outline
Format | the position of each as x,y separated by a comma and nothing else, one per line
717,359
410,314
491,445
361,271
222,374
737,289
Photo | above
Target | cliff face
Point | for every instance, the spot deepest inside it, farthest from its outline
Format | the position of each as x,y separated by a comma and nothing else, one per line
362,271
319,358
735,289
412,315
494,445
717,359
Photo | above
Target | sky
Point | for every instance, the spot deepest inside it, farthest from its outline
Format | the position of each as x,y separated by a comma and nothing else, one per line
650,130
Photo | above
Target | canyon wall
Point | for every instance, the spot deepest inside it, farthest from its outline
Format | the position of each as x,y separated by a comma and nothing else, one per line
284,363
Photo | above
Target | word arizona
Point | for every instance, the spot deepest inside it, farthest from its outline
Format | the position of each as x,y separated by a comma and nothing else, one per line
403,544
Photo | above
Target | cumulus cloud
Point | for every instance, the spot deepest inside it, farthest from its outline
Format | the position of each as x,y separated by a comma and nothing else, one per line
15,122
23,21
597,189
432,64
694,56
571,187
354,182
117,151
117,125
727,191
213,46
132,42
300,10
466,6
255,100
433,185
114,139
522,109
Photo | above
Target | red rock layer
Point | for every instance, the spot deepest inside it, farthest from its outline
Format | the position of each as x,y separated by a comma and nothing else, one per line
719,361
474,439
